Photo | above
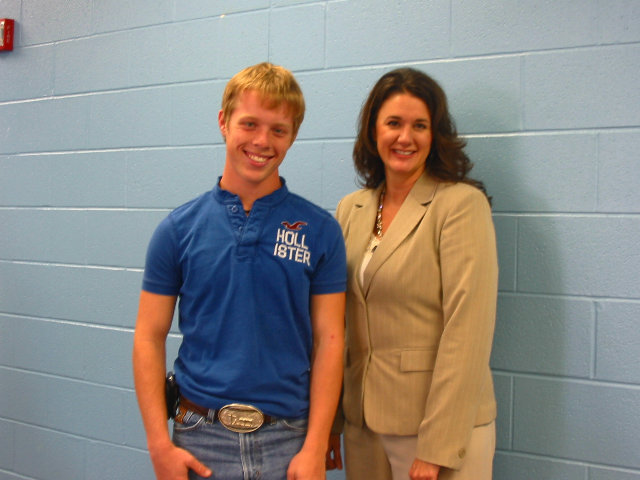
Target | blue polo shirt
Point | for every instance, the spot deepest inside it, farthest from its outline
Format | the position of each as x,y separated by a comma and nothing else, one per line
244,286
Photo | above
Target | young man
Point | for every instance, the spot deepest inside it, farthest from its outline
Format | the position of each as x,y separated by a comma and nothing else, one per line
260,274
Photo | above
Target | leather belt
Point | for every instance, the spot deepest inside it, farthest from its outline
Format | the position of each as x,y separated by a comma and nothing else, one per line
236,417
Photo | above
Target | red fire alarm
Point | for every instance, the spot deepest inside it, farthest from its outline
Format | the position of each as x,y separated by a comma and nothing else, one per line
6,34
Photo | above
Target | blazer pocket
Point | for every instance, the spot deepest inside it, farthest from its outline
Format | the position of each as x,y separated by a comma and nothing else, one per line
417,360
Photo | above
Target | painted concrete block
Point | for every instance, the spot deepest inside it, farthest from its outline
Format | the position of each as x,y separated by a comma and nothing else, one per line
505,26
197,55
599,99
618,22
119,238
303,169
378,32
101,286
149,59
194,113
61,455
55,340
506,240
235,34
32,290
285,3
336,474
91,179
16,70
23,181
508,466
106,356
126,15
564,326
618,342
44,125
138,118
44,21
71,293
107,462
484,94
17,237
618,173
206,8
7,344
216,48
579,255
339,177
334,99
529,173
172,346
64,230
297,37
90,64
74,351
73,407
6,375
167,178
12,9
134,434
504,398
612,474
7,442
66,233
577,420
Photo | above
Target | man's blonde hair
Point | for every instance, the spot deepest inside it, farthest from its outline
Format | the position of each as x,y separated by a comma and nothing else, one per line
275,84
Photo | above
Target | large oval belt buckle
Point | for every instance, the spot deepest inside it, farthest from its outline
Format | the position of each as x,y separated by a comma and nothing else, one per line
241,418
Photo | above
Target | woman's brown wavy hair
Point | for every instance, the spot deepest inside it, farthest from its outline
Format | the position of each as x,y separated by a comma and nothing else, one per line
446,161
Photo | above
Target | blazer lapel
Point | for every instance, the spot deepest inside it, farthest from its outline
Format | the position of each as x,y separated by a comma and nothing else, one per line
361,223
410,214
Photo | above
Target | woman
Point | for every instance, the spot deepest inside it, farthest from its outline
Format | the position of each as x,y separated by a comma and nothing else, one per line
418,394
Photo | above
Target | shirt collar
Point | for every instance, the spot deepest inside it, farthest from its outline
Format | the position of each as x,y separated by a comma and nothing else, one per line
275,197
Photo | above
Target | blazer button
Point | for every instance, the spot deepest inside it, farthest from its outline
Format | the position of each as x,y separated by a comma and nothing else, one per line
461,453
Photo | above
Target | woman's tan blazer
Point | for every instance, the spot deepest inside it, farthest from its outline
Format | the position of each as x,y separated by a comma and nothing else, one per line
420,327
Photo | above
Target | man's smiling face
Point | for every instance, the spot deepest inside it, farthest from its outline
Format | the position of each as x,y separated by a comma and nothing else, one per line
257,139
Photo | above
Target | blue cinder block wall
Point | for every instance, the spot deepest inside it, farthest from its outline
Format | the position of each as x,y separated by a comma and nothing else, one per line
108,120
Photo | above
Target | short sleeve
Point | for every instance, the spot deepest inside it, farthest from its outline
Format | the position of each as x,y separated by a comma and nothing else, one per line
331,272
162,274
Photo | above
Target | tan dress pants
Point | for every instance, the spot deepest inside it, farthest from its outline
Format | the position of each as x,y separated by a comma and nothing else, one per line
370,456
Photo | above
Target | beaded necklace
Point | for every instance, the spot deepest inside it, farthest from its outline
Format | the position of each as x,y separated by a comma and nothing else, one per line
379,214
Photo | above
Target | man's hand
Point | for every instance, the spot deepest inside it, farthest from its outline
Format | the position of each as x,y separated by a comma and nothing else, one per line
173,463
307,465
421,470
334,455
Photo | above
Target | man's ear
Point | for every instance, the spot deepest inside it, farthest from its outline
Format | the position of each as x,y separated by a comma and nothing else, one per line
222,124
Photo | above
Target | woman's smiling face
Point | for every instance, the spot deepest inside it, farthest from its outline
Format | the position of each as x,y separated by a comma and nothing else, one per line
403,136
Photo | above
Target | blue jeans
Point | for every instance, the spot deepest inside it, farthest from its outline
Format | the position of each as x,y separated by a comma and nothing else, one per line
264,454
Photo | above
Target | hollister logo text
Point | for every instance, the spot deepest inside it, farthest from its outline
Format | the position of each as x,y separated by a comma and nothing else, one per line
290,243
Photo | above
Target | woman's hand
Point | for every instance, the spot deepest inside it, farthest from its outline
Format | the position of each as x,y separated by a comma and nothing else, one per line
421,470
